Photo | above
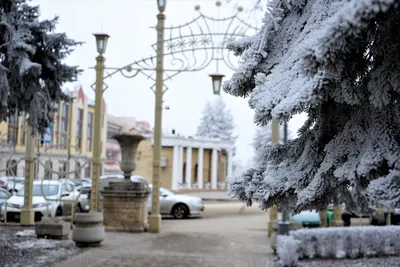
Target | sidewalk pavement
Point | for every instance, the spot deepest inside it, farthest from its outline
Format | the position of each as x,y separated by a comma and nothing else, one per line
210,242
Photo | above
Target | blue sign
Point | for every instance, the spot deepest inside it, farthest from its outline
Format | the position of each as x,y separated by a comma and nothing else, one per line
47,136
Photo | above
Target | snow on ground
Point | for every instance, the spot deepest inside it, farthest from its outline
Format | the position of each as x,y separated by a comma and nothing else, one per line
19,247
366,262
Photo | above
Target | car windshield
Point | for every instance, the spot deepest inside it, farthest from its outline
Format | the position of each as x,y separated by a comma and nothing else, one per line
48,190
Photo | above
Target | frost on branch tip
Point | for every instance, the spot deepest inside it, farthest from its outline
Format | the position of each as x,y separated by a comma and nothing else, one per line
337,62
253,50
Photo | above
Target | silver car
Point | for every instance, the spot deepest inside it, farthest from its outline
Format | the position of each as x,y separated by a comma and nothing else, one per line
179,206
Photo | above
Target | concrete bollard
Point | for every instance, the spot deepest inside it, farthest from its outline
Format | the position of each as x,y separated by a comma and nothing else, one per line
89,229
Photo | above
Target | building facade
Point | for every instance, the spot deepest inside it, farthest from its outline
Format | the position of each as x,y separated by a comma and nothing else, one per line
67,145
186,162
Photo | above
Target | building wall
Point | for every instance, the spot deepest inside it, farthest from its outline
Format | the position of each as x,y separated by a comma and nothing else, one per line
144,164
144,160
59,151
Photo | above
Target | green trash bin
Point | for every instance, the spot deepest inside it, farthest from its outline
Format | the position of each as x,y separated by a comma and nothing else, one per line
330,217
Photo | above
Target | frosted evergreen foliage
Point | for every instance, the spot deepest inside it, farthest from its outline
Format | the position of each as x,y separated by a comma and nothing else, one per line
286,248
337,61
31,63
262,140
217,121
343,242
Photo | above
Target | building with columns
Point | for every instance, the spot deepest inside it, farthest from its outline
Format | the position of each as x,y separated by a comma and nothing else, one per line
188,162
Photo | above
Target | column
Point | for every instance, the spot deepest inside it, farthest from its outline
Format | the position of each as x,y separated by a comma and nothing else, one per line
188,177
214,168
175,168
180,166
230,164
200,164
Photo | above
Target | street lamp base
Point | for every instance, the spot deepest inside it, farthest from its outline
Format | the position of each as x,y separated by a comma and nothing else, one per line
283,228
27,217
154,223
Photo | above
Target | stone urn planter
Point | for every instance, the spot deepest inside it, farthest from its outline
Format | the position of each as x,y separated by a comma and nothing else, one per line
125,202
88,229
52,228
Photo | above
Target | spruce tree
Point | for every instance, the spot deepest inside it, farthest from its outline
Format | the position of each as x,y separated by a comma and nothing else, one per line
217,121
339,62
32,68
263,139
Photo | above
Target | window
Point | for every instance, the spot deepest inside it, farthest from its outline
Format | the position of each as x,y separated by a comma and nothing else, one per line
64,123
88,171
196,171
11,168
22,134
69,187
79,127
56,128
48,190
62,168
48,175
89,142
78,170
12,132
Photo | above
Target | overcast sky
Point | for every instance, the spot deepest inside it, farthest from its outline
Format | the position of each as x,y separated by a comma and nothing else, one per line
128,23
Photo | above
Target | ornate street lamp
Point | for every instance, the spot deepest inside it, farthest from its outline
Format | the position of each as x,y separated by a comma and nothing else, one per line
155,216
101,42
217,82
161,5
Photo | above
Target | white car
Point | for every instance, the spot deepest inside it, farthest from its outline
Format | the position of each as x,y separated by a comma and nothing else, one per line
82,204
52,207
177,205
14,184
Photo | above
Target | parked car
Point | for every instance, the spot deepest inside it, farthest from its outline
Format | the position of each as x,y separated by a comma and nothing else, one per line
79,182
82,204
308,218
3,184
14,184
52,190
177,205
4,195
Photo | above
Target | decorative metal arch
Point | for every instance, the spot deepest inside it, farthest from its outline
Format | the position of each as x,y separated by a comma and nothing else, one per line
184,42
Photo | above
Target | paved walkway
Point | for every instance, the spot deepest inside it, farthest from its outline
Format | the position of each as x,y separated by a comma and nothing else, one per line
234,240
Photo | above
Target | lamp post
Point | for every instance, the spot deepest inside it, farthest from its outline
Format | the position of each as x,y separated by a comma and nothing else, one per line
27,213
155,217
273,213
101,43
217,83
283,226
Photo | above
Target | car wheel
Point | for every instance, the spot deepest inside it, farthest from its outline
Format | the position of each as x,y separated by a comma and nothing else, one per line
59,212
180,211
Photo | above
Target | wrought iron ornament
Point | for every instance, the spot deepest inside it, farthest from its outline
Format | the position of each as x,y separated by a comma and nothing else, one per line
192,46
